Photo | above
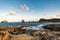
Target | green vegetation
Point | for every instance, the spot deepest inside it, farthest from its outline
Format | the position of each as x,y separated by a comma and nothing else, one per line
49,20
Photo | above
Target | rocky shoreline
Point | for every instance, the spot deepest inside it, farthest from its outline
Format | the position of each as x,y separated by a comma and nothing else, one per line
21,33
53,27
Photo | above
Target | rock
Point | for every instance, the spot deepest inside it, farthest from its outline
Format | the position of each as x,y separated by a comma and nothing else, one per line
54,27
14,30
4,21
21,33
58,38
37,34
22,37
22,29
43,35
4,35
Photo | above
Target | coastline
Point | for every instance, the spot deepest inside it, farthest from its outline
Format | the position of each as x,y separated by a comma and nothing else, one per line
21,33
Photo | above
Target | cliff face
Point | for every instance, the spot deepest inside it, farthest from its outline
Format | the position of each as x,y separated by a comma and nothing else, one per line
49,20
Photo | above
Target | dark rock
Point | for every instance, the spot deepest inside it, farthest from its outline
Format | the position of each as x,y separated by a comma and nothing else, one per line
54,27
4,21
49,20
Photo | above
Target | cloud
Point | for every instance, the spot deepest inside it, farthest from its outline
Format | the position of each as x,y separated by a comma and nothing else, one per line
58,15
24,7
12,13
46,16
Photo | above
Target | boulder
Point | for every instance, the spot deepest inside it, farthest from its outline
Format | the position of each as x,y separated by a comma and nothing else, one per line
22,37
4,35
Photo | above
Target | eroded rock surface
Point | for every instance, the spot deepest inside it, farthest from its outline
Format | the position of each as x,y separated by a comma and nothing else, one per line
53,27
21,33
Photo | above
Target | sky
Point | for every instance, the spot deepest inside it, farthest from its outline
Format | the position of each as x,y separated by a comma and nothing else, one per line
29,10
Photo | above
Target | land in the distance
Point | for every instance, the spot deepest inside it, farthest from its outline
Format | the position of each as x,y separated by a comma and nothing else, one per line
52,31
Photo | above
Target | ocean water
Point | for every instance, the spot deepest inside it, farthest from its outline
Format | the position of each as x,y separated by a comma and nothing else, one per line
33,26
18,24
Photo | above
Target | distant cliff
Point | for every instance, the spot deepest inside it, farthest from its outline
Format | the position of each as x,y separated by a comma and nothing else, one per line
49,20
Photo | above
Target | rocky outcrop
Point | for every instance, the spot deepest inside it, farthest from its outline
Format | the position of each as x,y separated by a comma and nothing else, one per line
4,35
4,21
14,30
50,20
44,35
24,34
54,27
22,37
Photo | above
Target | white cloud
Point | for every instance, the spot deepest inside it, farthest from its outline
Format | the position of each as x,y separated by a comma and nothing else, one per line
12,13
58,15
24,7
14,16
55,16
48,16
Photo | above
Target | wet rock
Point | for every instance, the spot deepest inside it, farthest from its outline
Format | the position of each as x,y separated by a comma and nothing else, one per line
44,35
13,30
54,27
30,34
37,34
16,30
22,29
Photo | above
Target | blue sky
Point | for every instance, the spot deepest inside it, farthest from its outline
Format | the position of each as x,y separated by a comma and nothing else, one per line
29,10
